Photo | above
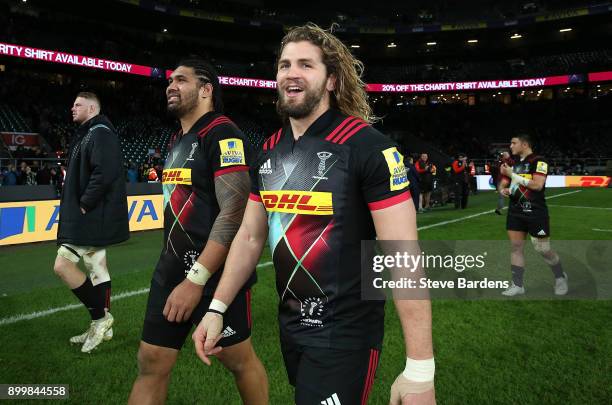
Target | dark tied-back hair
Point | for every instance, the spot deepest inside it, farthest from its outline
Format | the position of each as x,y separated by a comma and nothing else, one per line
206,73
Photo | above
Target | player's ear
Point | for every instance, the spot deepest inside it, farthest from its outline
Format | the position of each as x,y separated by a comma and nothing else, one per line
206,90
330,84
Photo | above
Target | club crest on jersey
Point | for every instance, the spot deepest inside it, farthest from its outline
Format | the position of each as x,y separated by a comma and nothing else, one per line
232,152
176,176
266,168
311,310
193,149
189,259
298,202
323,156
395,161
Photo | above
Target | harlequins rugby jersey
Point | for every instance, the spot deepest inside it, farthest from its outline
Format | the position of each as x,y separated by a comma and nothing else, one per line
318,193
523,201
213,146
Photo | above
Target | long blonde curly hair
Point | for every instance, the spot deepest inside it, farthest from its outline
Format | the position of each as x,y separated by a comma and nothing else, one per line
349,95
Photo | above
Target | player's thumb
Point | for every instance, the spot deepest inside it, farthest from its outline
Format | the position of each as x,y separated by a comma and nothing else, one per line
211,336
396,398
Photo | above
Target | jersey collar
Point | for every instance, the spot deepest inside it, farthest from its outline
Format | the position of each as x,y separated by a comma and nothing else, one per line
202,122
319,126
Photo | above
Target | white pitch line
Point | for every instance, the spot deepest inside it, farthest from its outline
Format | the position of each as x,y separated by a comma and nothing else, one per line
40,314
451,221
579,207
602,230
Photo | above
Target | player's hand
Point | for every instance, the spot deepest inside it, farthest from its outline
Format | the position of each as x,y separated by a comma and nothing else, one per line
505,192
505,170
207,335
182,301
402,392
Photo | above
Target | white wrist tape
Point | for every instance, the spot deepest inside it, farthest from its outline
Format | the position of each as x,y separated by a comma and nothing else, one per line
420,370
520,180
218,305
198,274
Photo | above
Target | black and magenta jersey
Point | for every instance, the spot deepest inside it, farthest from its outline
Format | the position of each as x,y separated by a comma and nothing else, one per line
318,192
525,202
213,147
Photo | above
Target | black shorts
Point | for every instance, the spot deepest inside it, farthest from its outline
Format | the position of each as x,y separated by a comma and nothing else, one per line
330,376
538,226
426,186
160,332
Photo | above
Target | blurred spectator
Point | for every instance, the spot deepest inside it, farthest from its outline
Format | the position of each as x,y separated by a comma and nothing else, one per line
30,177
43,176
10,176
132,174
21,173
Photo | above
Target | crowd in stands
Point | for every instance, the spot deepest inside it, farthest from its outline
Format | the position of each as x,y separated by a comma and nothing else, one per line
372,14
564,129
32,174
118,42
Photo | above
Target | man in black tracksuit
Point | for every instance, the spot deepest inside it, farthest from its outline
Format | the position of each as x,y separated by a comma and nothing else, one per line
93,215
461,180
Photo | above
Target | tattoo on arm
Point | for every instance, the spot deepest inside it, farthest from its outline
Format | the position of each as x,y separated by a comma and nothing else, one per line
232,191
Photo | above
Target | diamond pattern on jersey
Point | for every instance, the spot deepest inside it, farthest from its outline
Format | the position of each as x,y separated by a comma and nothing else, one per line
300,241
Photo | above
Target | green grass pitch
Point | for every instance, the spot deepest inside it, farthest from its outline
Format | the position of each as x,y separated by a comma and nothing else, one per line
487,352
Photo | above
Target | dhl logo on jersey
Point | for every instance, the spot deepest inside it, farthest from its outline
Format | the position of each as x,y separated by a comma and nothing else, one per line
399,177
177,176
298,202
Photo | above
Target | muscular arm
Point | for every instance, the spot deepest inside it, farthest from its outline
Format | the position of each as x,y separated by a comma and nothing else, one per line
537,182
399,223
244,252
232,192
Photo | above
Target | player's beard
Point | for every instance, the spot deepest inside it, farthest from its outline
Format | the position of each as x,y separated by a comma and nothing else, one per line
312,98
187,102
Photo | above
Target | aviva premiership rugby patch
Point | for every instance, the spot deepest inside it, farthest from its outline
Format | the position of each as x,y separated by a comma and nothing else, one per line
232,152
542,167
399,176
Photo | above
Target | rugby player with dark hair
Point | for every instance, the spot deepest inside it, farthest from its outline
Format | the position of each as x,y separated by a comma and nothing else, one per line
323,183
206,186
525,184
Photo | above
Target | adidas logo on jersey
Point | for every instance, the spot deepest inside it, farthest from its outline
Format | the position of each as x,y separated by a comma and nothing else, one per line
266,168
542,233
333,400
227,332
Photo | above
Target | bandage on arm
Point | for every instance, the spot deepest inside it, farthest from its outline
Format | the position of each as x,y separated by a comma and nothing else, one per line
520,180
198,274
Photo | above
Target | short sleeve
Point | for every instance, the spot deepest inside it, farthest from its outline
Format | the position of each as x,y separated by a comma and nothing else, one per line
228,150
384,176
256,167
541,167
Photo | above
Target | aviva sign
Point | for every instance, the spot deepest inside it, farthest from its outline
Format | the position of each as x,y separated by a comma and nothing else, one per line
36,221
